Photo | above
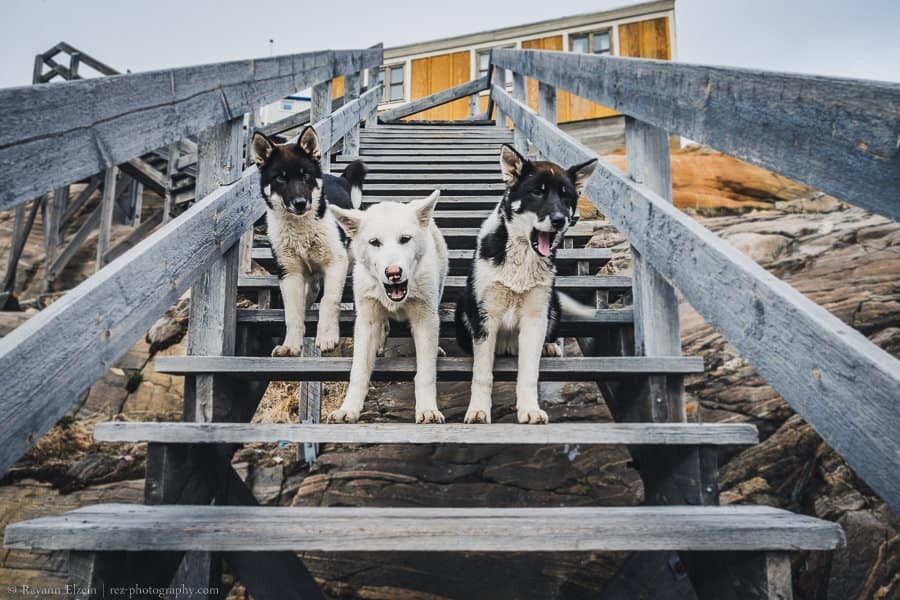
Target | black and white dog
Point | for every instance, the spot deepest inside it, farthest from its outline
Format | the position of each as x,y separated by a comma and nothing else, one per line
510,305
305,237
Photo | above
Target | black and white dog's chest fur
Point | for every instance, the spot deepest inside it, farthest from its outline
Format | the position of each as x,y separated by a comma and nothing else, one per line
512,274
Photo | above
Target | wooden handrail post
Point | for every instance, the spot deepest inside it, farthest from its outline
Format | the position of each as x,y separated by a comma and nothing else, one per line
499,78
318,110
519,93
474,105
106,214
547,102
371,82
352,86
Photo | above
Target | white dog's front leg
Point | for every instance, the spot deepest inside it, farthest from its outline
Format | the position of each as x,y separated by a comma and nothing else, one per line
425,331
482,375
365,345
532,332
335,276
293,296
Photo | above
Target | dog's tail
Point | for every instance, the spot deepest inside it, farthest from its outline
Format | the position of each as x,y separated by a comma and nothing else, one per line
573,308
355,173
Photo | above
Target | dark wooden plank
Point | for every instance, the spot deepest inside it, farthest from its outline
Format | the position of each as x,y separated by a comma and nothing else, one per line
75,243
352,89
460,159
451,368
412,433
845,386
480,151
84,127
334,529
437,99
836,135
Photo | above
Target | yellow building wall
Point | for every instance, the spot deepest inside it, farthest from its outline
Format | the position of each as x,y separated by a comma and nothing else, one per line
337,87
437,73
646,39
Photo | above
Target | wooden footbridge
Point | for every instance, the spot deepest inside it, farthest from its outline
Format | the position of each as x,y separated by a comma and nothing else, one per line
837,135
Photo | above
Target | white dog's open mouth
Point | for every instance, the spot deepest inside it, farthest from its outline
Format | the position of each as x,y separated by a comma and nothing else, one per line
542,241
396,291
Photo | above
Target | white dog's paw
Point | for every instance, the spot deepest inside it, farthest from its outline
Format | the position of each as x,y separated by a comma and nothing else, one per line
551,349
285,350
441,351
534,416
477,415
327,339
429,416
342,415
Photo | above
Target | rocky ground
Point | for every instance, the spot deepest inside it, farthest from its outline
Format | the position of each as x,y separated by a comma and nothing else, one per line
844,259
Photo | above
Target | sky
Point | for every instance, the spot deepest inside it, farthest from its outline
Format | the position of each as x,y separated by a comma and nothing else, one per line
859,39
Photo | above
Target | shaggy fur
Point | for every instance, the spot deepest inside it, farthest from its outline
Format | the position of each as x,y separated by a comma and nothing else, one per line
306,240
510,305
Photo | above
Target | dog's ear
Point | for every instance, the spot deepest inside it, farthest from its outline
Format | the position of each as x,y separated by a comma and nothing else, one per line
262,148
512,164
348,219
309,142
579,174
425,207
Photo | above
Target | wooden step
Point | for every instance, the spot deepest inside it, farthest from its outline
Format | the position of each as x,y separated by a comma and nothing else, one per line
421,153
567,259
271,321
667,434
446,203
440,157
426,138
419,189
449,368
413,148
128,527
464,237
492,176
581,287
437,168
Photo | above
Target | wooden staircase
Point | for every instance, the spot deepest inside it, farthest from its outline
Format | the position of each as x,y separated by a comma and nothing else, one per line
188,463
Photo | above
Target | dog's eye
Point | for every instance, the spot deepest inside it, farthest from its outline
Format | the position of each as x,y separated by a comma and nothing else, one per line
404,239
281,178
375,242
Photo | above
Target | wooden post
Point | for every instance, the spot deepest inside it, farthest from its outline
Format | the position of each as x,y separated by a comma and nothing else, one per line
309,408
21,229
519,93
171,169
372,79
74,63
499,79
136,202
352,85
106,214
318,110
474,105
547,101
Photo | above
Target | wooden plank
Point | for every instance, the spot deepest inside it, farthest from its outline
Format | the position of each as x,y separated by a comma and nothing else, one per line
418,188
132,239
320,109
75,243
435,178
563,255
332,127
836,135
106,215
475,169
451,368
480,151
334,529
412,433
94,324
352,85
841,383
21,230
84,127
519,93
437,99
439,158
271,321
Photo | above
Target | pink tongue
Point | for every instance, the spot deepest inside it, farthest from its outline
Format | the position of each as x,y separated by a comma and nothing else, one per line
543,243
396,293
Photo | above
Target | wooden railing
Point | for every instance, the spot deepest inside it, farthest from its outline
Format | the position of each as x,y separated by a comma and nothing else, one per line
79,128
839,136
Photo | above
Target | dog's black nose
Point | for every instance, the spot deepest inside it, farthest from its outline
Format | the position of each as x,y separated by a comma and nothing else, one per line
298,204
558,221
393,273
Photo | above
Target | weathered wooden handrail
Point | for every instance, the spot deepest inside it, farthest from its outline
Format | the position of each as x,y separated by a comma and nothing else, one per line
443,97
840,382
836,135
48,362
80,128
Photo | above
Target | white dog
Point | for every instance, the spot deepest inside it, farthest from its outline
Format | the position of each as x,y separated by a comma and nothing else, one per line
400,265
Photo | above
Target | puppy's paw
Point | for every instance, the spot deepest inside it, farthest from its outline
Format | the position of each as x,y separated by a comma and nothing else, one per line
534,416
441,351
285,350
327,339
429,416
476,415
342,415
551,349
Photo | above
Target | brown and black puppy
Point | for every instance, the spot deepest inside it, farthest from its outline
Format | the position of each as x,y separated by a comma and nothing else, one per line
306,239
510,305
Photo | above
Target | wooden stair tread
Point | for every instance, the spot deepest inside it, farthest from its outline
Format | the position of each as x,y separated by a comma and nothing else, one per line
449,368
715,434
272,321
129,527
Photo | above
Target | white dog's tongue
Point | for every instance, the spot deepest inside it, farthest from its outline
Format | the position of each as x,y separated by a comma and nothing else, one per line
396,292
543,244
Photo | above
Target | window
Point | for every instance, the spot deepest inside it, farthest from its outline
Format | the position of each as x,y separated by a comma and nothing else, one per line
484,59
392,78
596,42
